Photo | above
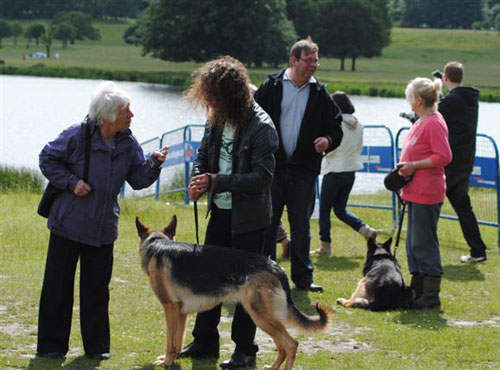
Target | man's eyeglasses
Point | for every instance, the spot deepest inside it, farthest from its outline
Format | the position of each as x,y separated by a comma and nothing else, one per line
310,61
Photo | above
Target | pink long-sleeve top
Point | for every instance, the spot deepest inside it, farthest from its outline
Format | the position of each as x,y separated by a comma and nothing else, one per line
427,138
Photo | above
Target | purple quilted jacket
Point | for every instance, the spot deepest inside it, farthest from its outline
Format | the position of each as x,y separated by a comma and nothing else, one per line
92,219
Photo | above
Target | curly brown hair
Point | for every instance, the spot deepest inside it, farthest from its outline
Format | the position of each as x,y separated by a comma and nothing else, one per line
221,86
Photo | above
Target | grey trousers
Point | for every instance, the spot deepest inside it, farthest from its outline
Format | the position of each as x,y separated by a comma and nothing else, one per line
422,245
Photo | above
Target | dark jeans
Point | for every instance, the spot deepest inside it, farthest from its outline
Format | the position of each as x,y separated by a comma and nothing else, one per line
335,190
56,302
243,329
458,195
422,244
294,187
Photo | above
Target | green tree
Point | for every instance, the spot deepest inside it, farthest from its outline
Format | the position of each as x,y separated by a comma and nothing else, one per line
132,35
354,28
178,31
81,24
442,13
118,8
63,32
35,31
17,30
396,9
47,39
304,15
5,30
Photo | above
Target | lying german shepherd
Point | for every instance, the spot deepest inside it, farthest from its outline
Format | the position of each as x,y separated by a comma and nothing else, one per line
189,278
382,286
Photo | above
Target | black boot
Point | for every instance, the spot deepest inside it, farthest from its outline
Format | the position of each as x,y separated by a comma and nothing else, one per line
417,285
430,293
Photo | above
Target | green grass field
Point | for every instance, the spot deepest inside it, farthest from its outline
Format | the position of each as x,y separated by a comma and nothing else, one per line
463,334
412,53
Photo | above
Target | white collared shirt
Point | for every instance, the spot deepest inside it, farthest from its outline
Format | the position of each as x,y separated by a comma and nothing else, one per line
293,106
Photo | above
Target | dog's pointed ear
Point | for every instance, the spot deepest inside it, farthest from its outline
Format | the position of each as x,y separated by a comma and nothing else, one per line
387,245
170,229
142,230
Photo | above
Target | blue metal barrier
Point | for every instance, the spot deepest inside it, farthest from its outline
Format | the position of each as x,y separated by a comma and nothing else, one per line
181,153
377,159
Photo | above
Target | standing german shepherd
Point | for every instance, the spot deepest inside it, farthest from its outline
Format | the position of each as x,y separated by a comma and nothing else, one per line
189,278
382,286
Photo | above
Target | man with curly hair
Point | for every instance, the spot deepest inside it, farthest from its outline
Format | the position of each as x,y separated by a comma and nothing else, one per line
235,166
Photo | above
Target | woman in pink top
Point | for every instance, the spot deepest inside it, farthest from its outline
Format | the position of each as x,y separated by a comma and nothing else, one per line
425,153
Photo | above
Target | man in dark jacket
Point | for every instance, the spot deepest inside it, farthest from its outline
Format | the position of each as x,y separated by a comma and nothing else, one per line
308,124
235,165
460,110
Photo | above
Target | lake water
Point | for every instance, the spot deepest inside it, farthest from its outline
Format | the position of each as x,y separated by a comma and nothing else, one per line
34,110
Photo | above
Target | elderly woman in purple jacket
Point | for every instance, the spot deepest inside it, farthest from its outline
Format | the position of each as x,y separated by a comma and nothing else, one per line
83,219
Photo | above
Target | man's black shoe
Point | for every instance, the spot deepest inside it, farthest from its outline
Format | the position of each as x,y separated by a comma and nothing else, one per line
311,288
50,354
238,360
195,350
99,356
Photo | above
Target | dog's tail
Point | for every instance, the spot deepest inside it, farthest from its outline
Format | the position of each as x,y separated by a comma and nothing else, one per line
307,323
299,319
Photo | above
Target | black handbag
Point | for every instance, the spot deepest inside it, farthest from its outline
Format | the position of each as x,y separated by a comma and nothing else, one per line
51,192
393,181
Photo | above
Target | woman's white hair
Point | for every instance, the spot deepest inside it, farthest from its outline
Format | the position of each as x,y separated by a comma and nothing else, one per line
430,91
106,101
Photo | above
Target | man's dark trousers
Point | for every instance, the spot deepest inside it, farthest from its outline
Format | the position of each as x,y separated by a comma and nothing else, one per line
243,329
458,194
56,303
294,187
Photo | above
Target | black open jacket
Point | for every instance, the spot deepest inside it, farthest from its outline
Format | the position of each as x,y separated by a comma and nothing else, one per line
253,168
322,117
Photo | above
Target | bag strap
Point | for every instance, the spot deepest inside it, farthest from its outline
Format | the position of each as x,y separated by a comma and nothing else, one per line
88,136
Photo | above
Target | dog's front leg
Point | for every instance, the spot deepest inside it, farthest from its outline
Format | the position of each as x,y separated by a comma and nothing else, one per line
172,320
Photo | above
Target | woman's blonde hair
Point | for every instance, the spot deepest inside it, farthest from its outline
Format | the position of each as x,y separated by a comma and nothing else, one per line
221,87
430,91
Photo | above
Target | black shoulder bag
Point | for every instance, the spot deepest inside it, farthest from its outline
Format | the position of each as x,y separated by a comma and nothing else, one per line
51,192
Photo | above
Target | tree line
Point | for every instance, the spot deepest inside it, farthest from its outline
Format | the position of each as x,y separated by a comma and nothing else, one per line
257,31
65,26
405,13
261,31
114,9
463,14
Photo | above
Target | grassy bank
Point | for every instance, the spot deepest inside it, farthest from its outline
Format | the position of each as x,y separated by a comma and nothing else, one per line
463,334
20,179
413,52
